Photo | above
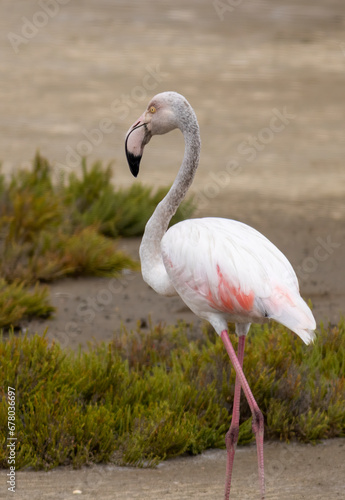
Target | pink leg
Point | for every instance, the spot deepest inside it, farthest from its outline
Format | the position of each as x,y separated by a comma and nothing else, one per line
258,420
232,435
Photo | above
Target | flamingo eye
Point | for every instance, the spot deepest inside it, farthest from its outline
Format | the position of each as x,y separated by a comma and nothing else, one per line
152,109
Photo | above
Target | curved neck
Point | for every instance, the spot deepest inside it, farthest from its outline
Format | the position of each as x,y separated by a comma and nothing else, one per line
166,209
150,253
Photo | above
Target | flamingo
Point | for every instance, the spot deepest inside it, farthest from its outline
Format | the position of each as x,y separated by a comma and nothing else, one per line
224,270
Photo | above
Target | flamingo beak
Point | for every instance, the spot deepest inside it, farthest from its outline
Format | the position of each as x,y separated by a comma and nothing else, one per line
137,137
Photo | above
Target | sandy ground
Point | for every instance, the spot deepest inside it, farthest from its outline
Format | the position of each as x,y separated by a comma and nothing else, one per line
266,79
294,472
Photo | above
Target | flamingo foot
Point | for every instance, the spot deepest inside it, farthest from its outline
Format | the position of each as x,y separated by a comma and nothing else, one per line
231,444
258,429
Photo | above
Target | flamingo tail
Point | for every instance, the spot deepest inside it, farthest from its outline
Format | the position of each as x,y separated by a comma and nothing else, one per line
295,315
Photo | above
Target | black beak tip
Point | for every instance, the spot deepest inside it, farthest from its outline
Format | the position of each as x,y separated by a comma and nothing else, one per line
134,163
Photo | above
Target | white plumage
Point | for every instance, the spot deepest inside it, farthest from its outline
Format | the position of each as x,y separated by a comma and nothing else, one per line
227,271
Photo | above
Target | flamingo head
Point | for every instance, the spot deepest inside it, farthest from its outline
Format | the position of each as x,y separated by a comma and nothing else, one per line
163,114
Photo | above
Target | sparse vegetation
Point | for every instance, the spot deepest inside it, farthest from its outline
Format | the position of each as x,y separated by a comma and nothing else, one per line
151,395
16,302
48,231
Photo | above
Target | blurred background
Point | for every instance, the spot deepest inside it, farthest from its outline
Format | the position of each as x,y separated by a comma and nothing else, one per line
266,79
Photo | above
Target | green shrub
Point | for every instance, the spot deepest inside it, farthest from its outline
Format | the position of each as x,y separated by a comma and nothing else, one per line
17,302
41,238
49,231
148,396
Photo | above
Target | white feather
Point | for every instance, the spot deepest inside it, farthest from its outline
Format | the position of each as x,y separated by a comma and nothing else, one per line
233,264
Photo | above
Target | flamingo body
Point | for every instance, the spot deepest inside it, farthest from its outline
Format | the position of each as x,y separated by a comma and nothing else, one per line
222,269
226,271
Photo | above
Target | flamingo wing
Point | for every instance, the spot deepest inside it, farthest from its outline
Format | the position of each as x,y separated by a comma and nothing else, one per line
225,270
